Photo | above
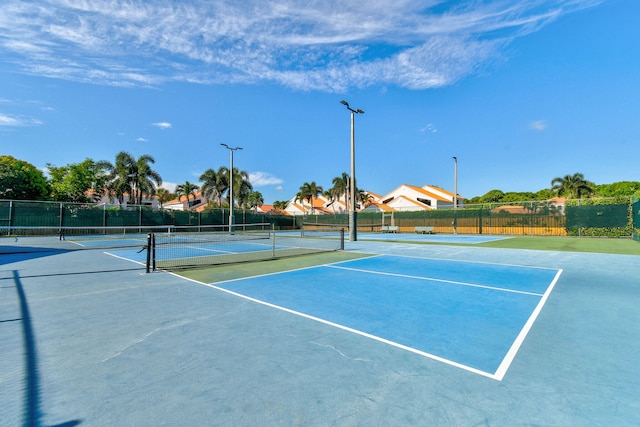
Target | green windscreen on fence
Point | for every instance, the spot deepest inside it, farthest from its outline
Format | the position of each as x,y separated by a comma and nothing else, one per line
635,207
613,216
583,218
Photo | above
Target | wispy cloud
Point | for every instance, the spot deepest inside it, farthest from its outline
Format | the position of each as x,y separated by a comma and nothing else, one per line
9,120
162,125
141,139
327,45
18,121
538,125
261,179
429,128
171,186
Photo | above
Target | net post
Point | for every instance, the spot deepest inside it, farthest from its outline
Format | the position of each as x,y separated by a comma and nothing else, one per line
342,239
273,240
148,252
153,251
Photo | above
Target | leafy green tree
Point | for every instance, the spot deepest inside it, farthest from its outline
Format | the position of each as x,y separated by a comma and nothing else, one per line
187,189
544,194
20,180
309,191
79,182
572,186
493,196
215,183
517,197
622,188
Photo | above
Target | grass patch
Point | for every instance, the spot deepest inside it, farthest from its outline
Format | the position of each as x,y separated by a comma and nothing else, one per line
221,273
569,244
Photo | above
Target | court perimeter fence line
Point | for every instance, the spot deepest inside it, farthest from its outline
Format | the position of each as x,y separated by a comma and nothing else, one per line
613,217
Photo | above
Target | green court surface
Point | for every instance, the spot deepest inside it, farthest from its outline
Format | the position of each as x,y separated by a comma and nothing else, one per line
90,339
625,246
240,270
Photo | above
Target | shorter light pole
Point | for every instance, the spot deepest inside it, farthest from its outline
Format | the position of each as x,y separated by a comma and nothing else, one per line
353,219
455,195
231,217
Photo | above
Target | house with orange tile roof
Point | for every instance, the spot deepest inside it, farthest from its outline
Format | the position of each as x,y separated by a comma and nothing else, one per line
270,210
187,204
403,198
319,205
411,198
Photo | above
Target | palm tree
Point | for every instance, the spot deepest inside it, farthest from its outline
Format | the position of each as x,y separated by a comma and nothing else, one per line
341,186
215,184
187,189
329,194
572,186
309,191
102,170
241,187
255,200
280,205
133,176
363,198
163,196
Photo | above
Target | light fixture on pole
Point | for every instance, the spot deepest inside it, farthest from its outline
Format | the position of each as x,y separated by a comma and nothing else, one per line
353,219
455,195
231,218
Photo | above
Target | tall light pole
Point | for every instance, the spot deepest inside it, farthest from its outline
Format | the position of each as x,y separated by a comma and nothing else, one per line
353,219
231,218
455,195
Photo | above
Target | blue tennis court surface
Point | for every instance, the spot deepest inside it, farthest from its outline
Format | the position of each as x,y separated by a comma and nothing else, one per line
471,315
414,334
101,243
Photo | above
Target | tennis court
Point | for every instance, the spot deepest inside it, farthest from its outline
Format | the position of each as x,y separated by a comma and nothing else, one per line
470,315
402,334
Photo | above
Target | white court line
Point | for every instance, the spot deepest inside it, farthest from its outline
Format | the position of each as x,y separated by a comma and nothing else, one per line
346,328
511,354
498,375
125,258
461,261
432,279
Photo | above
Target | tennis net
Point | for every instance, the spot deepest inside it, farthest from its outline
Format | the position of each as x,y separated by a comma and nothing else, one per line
315,227
28,239
178,250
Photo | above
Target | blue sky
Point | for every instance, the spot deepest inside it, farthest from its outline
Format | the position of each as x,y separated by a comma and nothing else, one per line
519,91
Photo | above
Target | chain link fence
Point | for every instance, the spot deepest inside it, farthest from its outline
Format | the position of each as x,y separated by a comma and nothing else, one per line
635,218
587,217
18,213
